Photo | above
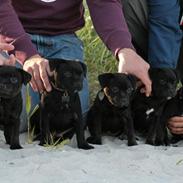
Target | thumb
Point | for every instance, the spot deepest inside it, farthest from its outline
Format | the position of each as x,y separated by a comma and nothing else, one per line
48,70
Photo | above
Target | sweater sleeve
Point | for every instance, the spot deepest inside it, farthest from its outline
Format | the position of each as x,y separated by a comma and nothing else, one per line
11,26
110,24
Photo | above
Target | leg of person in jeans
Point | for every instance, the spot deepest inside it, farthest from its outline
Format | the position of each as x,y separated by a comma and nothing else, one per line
164,33
180,61
136,15
155,30
68,47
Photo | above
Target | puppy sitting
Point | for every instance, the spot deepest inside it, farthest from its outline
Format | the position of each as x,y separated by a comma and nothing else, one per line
11,80
111,111
147,111
61,108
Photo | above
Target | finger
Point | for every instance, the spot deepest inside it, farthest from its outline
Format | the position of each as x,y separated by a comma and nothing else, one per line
50,73
7,47
10,61
8,39
176,119
176,124
176,130
32,82
147,84
44,77
37,78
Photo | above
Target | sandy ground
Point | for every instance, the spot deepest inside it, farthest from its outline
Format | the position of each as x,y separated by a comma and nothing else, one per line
112,162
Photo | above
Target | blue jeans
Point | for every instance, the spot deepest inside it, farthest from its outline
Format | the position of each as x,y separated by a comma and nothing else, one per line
164,33
155,30
68,47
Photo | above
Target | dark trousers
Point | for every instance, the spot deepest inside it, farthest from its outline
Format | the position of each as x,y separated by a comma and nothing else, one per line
155,30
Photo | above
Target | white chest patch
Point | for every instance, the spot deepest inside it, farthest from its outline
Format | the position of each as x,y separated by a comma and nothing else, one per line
149,111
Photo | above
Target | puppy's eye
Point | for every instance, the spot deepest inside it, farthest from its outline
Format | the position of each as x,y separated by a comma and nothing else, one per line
14,80
115,89
162,82
68,74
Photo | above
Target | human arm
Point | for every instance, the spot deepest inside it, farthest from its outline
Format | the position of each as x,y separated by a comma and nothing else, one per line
109,22
12,27
33,62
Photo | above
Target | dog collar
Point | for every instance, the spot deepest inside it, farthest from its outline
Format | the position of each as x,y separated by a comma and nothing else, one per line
102,94
108,97
65,98
56,88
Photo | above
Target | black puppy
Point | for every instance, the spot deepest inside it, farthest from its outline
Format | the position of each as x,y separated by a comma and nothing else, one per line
173,107
11,80
61,108
147,111
111,111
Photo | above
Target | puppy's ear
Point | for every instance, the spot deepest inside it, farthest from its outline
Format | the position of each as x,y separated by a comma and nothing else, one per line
84,68
133,81
26,77
152,72
105,78
54,63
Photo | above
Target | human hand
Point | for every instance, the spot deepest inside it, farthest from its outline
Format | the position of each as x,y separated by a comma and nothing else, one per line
39,69
4,47
175,125
131,63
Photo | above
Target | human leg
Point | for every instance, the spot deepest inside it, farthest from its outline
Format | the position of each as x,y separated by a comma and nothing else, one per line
136,15
164,33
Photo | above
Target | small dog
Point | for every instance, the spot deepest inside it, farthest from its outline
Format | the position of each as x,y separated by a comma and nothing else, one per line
147,111
111,111
61,108
11,80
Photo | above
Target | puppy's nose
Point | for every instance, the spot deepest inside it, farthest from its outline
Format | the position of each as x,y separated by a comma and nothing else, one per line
78,86
123,102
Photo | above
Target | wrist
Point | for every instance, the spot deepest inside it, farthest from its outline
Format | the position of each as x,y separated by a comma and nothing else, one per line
124,51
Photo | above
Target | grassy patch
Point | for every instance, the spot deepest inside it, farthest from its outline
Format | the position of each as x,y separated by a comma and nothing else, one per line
97,56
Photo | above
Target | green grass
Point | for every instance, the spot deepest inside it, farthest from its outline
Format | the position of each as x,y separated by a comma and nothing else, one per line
97,56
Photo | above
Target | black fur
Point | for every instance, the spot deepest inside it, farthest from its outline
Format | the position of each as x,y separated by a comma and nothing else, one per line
11,80
61,108
111,111
147,111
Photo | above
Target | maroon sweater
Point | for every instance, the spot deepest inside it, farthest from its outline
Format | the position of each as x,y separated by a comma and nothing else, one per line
54,17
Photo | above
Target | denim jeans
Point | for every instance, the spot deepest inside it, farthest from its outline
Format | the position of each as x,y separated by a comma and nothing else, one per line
155,30
68,47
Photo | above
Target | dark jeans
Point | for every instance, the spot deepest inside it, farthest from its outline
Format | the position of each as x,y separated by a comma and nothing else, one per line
155,30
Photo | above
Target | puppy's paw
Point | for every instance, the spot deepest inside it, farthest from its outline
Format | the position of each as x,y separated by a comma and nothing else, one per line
94,140
150,141
132,143
15,146
176,139
161,142
85,146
